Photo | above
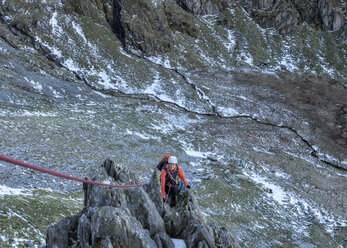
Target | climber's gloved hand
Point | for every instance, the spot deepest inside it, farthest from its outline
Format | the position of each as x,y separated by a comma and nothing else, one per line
188,186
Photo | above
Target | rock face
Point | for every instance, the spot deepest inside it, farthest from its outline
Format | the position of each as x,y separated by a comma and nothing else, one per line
147,26
284,15
135,217
144,27
287,15
203,7
331,15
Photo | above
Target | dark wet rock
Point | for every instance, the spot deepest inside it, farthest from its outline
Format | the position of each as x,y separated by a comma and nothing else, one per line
203,7
67,232
344,36
287,15
153,190
163,240
135,217
142,25
180,20
279,14
331,16
223,237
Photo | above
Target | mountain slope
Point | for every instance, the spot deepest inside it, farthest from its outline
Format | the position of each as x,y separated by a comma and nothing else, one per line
250,95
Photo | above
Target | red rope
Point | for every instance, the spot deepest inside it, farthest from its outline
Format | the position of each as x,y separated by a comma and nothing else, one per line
54,173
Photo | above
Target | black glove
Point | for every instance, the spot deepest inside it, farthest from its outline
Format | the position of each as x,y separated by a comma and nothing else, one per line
188,186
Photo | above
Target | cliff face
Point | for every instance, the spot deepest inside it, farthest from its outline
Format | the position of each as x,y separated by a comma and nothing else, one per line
144,27
135,217
158,28
284,15
147,25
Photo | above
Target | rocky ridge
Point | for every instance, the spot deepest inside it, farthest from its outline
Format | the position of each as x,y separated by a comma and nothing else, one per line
135,217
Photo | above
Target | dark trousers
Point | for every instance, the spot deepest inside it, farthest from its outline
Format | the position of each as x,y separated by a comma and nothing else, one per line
172,193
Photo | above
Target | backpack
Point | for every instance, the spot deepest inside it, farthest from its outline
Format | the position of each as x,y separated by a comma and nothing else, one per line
163,162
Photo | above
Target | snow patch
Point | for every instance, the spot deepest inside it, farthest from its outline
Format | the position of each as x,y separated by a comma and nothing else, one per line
302,206
156,2
22,113
282,175
163,129
243,98
4,190
276,192
142,136
54,50
71,65
230,45
36,85
193,153
189,150
270,72
105,80
3,50
156,85
126,54
159,60
4,239
256,149
288,59
205,58
228,112
166,98
79,31
247,57
122,84
102,95
328,157
56,29
55,93
179,243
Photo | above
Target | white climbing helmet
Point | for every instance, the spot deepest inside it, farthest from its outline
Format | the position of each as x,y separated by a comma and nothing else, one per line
172,160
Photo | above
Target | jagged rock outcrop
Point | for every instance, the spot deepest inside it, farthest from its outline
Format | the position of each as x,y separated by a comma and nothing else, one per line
284,15
147,26
135,217
143,26
331,15
279,14
287,15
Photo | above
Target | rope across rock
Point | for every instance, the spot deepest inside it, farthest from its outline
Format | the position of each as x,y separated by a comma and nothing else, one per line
58,174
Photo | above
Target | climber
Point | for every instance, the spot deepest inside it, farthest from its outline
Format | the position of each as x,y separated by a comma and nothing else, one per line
163,161
171,175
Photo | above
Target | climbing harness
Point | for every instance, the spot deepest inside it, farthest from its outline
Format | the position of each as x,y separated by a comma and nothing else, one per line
168,192
174,180
54,173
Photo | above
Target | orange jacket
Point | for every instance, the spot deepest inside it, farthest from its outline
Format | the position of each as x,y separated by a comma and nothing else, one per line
163,178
